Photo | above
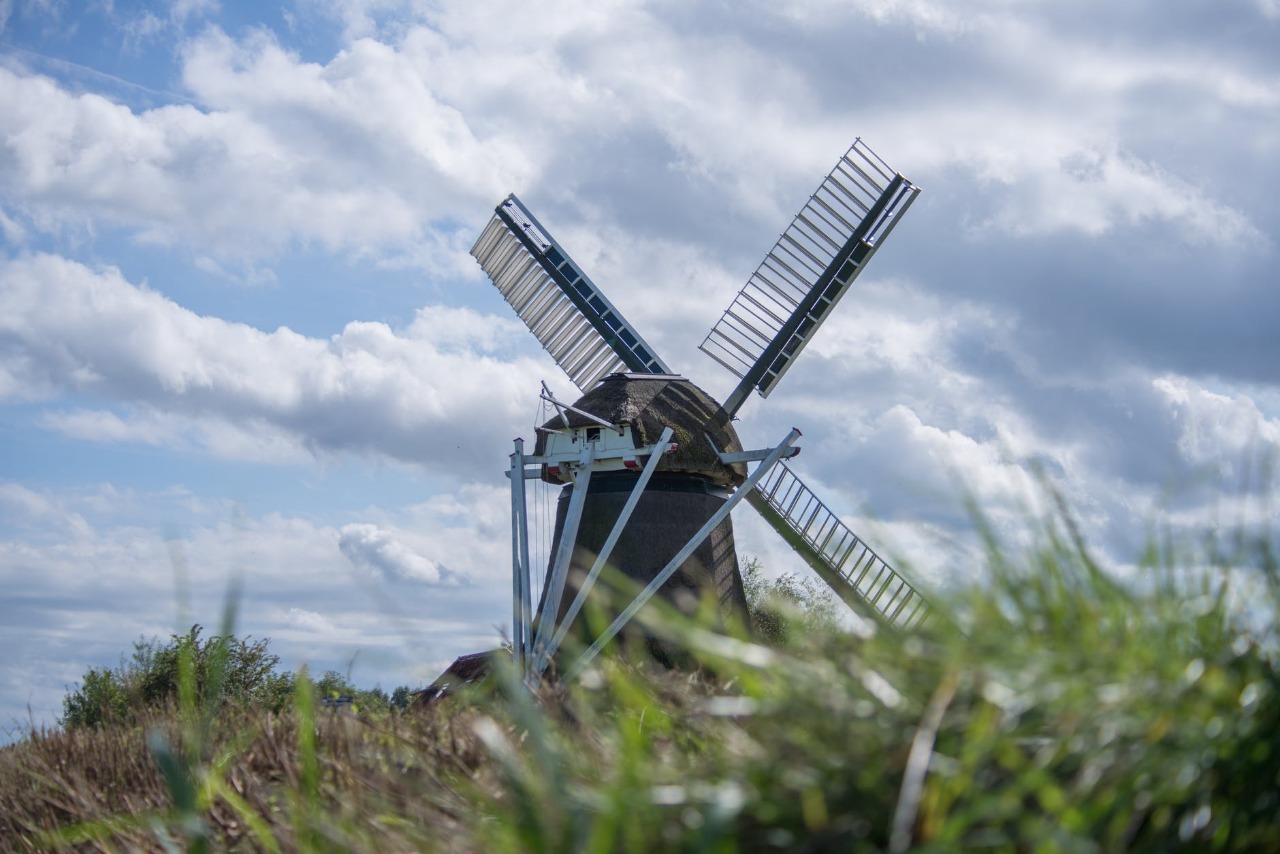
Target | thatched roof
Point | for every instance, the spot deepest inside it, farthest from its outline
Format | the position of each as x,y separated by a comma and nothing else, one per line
649,403
465,670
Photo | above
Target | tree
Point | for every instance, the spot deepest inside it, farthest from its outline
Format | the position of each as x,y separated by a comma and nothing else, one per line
247,668
788,606
333,685
102,698
401,697
243,671
374,701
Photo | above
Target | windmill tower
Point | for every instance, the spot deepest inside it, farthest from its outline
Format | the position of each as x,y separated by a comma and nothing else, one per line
651,463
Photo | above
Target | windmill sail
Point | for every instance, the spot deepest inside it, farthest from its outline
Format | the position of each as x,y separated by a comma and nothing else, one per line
848,565
807,271
563,308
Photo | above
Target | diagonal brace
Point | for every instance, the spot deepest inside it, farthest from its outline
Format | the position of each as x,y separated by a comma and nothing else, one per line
667,571
606,550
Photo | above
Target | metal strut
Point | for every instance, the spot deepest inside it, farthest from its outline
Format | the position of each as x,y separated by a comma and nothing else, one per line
605,551
690,547
521,600
568,537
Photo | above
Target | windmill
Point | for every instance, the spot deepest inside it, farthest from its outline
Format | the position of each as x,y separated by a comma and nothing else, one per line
652,465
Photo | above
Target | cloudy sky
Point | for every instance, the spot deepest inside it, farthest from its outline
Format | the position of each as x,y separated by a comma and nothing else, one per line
242,340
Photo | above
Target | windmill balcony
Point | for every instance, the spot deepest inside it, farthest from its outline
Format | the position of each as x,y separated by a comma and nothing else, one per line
616,450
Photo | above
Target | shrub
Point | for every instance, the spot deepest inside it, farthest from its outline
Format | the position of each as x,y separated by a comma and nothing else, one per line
149,680
787,607
101,698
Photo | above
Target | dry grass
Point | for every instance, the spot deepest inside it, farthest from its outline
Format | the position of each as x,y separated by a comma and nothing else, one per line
389,784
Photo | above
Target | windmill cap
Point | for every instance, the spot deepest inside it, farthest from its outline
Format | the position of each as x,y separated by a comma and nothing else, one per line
649,402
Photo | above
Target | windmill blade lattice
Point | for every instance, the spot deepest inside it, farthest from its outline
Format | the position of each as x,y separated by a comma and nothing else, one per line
841,558
566,312
812,265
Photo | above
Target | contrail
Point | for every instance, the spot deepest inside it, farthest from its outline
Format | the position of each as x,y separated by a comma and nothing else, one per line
70,68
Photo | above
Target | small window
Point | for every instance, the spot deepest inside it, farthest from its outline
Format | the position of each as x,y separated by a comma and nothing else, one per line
593,433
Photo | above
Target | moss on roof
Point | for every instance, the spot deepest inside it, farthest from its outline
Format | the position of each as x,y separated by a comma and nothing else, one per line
648,404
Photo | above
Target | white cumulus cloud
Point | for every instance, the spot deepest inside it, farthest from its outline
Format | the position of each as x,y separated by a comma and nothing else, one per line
382,551
179,378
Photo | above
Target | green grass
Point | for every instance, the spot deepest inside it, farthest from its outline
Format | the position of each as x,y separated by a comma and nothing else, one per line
1054,709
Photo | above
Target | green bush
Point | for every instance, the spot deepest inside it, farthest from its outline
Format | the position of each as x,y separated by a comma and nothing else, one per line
101,698
149,680
401,697
787,607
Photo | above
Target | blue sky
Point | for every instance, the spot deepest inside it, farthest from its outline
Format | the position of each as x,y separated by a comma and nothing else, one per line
241,336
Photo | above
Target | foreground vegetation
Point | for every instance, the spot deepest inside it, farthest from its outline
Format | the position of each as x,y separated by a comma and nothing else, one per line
1049,708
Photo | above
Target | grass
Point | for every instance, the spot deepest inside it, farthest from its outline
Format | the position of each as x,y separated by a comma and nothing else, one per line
1057,710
